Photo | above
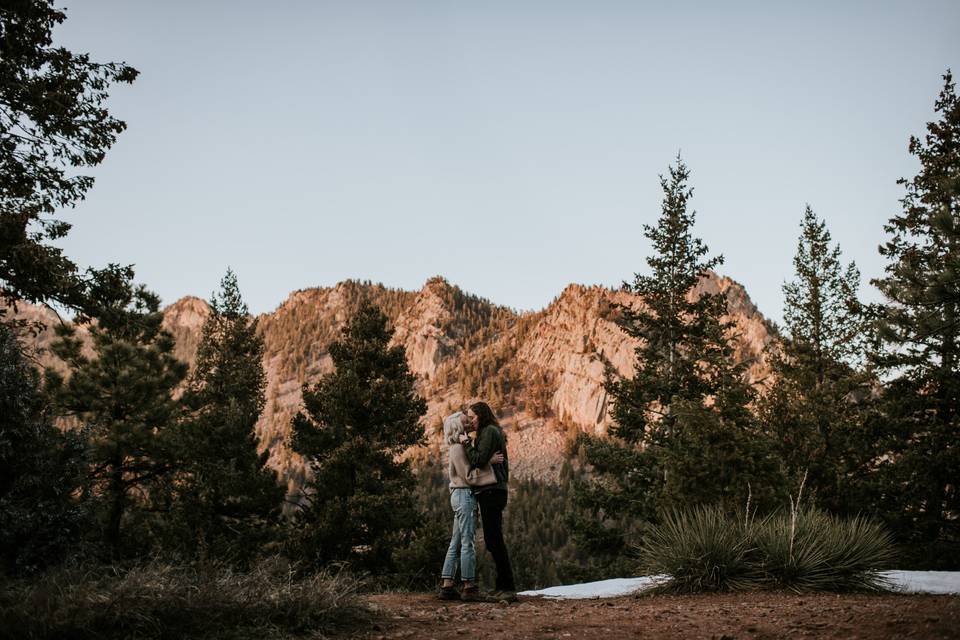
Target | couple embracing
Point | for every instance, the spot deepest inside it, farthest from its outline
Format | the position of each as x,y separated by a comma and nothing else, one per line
479,471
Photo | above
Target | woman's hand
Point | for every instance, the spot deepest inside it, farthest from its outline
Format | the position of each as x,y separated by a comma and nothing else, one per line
497,458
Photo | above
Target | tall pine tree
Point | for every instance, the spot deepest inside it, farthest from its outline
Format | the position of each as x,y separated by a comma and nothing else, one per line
359,505
919,330
681,334
818,405
121,399
226,498
682,431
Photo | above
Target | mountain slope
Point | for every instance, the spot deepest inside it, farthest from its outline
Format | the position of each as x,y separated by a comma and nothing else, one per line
543,371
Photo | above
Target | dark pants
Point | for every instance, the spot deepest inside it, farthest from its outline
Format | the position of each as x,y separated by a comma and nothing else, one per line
492,503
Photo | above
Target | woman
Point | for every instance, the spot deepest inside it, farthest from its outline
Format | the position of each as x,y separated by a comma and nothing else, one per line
464,505
492,498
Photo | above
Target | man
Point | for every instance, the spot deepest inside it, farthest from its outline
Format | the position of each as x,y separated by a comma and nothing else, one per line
490,440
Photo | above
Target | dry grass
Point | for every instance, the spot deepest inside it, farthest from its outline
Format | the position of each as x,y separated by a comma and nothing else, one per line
158,601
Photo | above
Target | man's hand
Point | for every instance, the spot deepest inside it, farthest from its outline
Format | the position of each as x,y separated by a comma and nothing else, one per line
497,458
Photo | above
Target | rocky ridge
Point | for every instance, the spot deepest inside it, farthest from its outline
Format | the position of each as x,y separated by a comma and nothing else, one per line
543,371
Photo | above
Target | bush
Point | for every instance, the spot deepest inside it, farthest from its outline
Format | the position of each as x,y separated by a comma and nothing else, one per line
809,550
164,601
702,549
707,549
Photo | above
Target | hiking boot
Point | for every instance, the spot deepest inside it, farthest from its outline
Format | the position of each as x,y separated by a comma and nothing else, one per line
502,595
448,593
470,594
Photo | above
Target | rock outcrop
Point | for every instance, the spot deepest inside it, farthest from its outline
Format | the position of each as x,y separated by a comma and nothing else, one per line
184,320
547,368
421,329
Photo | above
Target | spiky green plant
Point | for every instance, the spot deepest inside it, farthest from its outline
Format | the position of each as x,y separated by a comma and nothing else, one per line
705,549
702,549
808,550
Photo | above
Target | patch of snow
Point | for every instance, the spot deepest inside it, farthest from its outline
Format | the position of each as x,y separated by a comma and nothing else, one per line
603,589
924,581
937,582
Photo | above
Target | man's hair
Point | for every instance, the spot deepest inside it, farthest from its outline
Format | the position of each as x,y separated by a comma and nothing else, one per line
453,428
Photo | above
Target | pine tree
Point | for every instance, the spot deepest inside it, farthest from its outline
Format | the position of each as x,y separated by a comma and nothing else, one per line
359,504
680,333
818,405
122,400
226,496
39,470
682,430
53,122
614,500
821,309
919,335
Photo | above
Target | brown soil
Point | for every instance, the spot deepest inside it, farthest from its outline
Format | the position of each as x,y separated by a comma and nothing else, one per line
721,617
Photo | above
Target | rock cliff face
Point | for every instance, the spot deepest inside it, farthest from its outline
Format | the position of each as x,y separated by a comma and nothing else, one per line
542,371
577,337
456,342
571,345
422,330
45,321
184,320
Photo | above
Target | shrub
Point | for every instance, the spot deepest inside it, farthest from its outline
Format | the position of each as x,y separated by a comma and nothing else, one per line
702,549
164,601
706,549
809,550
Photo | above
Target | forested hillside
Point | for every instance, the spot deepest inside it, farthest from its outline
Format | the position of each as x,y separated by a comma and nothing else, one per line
543,371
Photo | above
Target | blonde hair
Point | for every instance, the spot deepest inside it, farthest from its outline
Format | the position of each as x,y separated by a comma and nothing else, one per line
453,428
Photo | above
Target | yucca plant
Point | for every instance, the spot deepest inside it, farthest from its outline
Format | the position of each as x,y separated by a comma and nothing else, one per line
702,549
808,550
709,549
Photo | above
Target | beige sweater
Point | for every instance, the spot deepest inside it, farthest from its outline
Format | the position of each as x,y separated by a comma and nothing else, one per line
458,468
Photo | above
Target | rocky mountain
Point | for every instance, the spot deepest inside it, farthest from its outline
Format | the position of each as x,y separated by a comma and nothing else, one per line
543,371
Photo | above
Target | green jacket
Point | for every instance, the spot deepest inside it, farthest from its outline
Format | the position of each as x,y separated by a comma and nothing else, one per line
490,440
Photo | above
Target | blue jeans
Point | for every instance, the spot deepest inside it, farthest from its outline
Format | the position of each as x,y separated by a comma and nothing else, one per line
461,541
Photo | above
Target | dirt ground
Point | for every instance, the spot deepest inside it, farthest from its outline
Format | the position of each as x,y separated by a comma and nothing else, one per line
720,617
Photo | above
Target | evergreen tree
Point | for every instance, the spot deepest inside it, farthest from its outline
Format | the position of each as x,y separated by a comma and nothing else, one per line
683,432
121,399
614,499
824,317
682,335
918,330
359,504
53,121
226,496
39,470
818,405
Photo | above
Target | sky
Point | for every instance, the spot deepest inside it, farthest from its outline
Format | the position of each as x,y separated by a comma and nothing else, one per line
511,147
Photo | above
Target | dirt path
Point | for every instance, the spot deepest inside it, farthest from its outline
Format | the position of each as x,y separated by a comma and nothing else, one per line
721,617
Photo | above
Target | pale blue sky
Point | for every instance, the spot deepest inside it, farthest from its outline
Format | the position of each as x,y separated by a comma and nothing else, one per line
512,147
